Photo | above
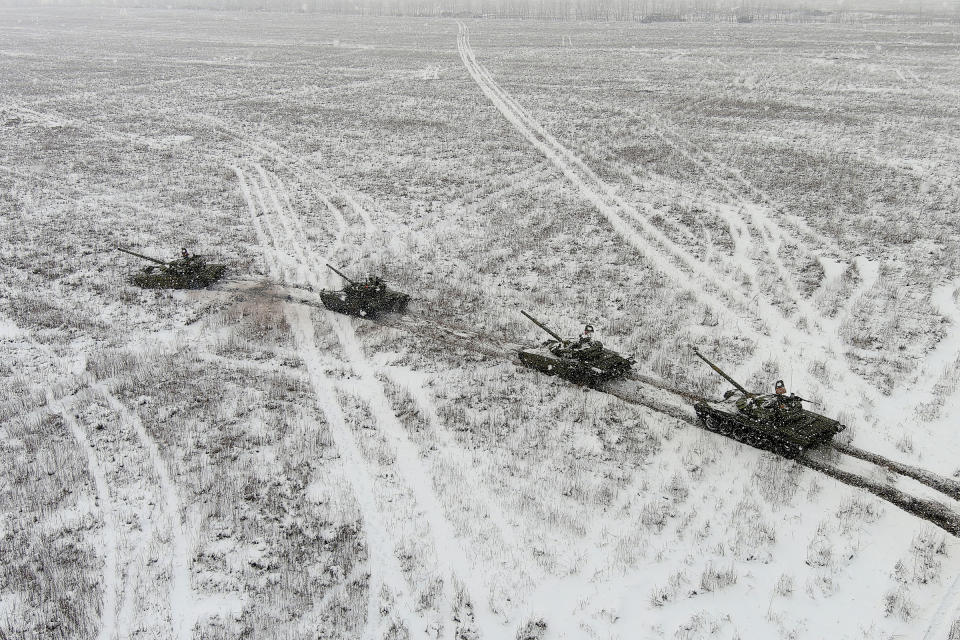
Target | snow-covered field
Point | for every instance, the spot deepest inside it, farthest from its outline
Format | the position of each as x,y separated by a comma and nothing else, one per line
233,463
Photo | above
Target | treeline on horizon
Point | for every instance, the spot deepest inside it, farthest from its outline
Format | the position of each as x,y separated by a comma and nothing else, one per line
610,10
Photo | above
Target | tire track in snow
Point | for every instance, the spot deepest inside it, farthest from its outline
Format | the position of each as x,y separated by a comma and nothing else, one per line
769,238
709,164
182,598
288,264
265,190
112,579
526,179
421,398
595,191
652,243
380,547
670,258
376,580
947,613
382,554
281,155
271,266
937,361
446,545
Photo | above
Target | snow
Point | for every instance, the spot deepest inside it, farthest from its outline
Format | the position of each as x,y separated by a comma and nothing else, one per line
251,463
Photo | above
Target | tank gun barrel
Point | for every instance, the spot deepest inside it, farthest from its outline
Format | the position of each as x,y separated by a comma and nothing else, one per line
336,271
725,376
140,255
542,326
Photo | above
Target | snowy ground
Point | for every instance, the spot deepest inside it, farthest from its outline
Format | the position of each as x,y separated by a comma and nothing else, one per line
230,463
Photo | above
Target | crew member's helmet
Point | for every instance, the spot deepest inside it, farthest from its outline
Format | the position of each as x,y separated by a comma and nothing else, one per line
779,388
588,330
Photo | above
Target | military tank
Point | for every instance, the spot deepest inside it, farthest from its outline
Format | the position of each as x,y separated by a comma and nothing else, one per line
587,364
366,299
186,272
774,422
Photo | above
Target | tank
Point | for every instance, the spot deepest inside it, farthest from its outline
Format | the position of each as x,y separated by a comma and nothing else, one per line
188,272
366,299
776,423
584,364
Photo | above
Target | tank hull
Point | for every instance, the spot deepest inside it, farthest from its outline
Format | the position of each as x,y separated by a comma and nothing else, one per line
787,433
199,278
606,366
363,306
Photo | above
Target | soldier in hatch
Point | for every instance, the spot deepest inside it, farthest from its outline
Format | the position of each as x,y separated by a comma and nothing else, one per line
184,260
586,338
375,282
586,346
779,399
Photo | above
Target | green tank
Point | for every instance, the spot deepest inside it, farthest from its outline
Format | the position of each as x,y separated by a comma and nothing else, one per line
186,272
583,363
364,299
774,422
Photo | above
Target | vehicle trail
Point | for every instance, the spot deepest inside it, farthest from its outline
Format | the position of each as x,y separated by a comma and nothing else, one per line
937,361
946,615
447,546
284,226
648,239
446,543
670,259
771,242
650,393
710,165
275,151
112,580
480,198
464,461
109,542
290,265
771,237
945,486
604,202
182,597
932,511
385,569
272,266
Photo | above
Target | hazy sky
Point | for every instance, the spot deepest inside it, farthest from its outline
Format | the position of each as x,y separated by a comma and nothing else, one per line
945,6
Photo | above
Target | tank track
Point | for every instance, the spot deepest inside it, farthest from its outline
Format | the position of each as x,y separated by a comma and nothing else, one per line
194,279
742,433
576,372
333,300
